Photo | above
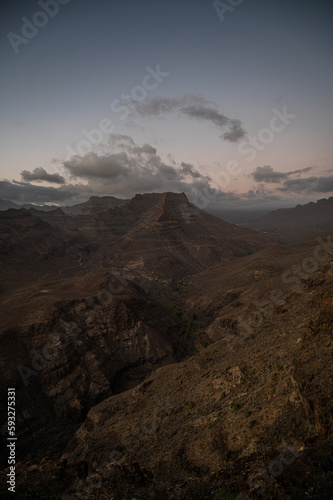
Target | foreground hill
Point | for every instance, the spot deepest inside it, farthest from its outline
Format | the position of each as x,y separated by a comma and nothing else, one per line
238,374
167,384
251,411
293,224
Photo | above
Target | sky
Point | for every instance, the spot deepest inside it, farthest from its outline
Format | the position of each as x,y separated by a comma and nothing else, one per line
230,102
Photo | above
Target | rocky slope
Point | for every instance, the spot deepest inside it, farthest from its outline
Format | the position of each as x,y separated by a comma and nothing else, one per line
57,219
30,247
166,235
293,224
83,212
67,344
239,404
179,385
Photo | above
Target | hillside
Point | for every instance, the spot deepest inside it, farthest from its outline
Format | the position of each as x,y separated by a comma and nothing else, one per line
30,247
250,392
178,351
294,224
165,235
7,204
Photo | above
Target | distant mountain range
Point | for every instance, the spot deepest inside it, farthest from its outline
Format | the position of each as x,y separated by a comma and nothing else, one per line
287,224
293,224
159,233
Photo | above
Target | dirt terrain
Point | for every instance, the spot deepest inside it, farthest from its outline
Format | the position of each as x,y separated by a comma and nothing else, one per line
211,380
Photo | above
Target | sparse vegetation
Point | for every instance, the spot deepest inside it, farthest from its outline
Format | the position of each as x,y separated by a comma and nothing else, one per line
235,407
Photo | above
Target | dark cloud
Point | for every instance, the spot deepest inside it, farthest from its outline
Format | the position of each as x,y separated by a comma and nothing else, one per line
131,169
158,106
192,106
92,165
188,169
309,185
126,143
23,192
267,174
39,174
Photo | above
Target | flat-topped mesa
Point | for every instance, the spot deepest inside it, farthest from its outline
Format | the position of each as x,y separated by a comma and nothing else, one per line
172,207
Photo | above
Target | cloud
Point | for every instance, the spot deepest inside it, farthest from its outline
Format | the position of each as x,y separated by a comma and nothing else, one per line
40,174
132,168
104,167
309,185
305,185
267,174
188,169
192,106
23,192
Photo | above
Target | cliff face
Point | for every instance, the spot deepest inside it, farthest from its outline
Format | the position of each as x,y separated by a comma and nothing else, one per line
239,406
68,355
166,235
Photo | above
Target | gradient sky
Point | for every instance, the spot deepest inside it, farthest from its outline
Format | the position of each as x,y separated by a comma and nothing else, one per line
229,74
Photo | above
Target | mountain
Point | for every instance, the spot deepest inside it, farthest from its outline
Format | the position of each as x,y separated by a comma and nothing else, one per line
293,224
94,205
205,392
57,219
30,247
160,352
246,401
166,235
43,208
7,204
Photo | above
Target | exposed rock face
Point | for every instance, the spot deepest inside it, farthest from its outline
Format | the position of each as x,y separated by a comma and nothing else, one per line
293,224
248,399
75,353
117,359
164,233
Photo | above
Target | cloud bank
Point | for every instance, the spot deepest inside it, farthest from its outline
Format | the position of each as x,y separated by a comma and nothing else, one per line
129,168
40,174
306,185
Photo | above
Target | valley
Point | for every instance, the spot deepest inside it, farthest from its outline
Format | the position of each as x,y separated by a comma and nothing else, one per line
168,351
